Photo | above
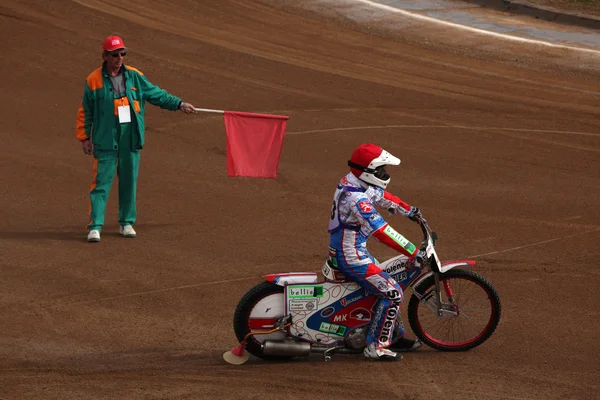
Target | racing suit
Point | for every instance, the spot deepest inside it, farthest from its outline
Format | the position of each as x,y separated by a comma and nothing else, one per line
353,219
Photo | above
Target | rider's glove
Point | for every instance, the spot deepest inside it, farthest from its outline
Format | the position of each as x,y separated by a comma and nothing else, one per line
420,257
414,214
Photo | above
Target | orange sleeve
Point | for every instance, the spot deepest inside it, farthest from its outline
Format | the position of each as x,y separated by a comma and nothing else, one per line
81,135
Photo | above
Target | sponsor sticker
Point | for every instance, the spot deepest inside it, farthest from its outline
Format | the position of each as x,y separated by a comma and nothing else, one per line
381,283
391,316
302,305
398,238
340,318
304,292
360,314
327,312
327,271
345,301
334,329
378,315
365,206
396,266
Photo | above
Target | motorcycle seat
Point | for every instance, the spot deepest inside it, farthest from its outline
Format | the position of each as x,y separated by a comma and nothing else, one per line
332,274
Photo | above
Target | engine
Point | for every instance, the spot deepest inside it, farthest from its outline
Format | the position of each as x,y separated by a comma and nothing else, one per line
356,338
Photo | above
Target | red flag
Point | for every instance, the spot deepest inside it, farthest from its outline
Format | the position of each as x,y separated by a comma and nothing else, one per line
254,143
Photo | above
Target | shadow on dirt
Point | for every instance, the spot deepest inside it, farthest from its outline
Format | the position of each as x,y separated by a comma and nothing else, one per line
44,235
71,233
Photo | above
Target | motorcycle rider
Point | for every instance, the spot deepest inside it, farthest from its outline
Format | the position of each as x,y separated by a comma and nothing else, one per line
353,219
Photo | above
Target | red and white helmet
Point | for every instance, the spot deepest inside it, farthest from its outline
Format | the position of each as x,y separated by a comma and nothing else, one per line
368,163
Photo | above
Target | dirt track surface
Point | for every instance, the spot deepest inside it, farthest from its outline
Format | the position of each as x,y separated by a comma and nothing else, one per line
500,148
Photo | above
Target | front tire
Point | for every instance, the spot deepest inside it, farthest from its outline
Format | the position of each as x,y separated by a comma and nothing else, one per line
470,317
257,311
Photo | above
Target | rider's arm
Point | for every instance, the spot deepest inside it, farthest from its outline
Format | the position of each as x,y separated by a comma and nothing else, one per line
387,200
395,203
372,222
388,236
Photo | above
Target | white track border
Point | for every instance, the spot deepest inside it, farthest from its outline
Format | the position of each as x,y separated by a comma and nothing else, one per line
472,29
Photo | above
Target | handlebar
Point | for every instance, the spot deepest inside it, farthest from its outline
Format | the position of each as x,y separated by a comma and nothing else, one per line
427,232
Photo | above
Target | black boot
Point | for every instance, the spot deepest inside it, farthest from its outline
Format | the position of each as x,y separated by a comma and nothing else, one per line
403,345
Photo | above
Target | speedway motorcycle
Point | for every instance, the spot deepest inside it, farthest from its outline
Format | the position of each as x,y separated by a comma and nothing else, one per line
294,314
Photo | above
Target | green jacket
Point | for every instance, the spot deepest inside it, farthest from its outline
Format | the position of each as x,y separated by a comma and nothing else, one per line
97,116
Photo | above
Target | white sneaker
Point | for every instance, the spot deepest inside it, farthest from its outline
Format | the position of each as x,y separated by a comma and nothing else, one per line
127,231
381,354
94,236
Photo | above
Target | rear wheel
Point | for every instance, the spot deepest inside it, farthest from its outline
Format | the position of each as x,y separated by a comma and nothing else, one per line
258,311
470,311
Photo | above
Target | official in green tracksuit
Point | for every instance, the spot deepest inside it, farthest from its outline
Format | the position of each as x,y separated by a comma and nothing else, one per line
110,126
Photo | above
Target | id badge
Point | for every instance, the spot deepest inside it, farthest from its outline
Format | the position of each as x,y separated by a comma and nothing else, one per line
124,114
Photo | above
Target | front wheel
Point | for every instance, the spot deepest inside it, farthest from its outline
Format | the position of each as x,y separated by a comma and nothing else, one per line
470,311
258,311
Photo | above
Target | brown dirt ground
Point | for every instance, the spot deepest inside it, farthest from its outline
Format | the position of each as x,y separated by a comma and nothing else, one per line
503,158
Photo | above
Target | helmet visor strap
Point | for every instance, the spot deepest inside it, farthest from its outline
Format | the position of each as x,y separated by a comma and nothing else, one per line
379,172
360,167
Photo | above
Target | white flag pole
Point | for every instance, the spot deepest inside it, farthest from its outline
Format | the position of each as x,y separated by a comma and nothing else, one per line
209,110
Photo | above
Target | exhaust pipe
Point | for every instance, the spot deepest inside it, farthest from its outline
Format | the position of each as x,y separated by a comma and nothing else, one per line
285,348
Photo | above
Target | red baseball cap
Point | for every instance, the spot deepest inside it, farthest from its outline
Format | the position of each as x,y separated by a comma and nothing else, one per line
112,43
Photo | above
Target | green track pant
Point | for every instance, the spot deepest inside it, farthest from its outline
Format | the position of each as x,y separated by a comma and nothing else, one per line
125,162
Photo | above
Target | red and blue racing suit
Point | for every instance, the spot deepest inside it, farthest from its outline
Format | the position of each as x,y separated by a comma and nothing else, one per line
353,219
